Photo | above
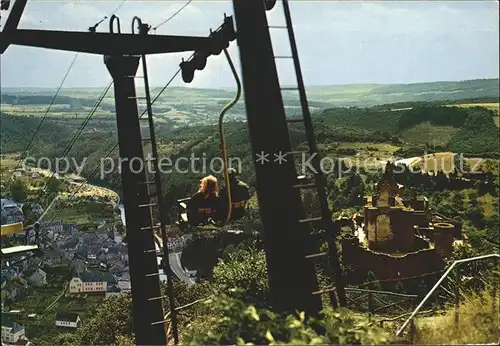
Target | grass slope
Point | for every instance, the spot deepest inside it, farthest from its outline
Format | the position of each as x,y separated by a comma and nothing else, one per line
428,133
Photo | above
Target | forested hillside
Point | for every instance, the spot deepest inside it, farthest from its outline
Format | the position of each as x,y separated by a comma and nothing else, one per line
471,131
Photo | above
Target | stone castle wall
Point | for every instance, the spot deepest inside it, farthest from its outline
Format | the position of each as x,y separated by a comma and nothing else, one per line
385,266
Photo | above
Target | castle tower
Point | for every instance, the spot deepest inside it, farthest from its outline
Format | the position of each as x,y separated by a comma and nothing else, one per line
442,236
413,197
402,229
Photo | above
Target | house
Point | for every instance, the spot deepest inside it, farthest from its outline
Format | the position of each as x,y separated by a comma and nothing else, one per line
55,226
117,267
15,289
11,212
12,332
124,285
38,278
91,281
92,255
69,254
69,228
33,262
35,175
67,320
113,290
80,264
53,256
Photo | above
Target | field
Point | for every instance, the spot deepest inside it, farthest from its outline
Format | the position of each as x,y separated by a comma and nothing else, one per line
185,105
427,133
444,162
363,154
82,212
8,162
489,105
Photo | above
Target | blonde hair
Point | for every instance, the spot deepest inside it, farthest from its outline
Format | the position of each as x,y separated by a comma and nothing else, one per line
209,186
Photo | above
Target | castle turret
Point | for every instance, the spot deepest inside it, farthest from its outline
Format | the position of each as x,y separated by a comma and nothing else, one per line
402,227
442,237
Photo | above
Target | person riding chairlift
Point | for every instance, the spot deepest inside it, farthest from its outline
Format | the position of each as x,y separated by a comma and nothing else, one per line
240,194
201,208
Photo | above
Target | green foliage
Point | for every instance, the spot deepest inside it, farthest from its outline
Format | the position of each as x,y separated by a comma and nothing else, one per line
54,185
245,270
110,321
18,190
346,192
234,322
452,116
362,118
65,339
203,253
479,135
15,131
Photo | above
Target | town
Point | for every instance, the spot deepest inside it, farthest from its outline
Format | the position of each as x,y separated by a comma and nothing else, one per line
73,260
249,172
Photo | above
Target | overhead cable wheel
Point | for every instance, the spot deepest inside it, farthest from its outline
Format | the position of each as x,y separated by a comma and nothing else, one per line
270,4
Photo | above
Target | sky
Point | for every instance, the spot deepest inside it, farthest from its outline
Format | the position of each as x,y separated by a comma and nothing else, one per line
339,42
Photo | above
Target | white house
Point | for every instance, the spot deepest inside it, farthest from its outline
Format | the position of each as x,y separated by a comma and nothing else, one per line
67,320
38,278
91,281
11,331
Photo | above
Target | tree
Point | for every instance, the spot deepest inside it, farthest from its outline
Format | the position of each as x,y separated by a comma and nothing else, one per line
476,216
54,185
246,271
65,339
18,190
26,208
112,320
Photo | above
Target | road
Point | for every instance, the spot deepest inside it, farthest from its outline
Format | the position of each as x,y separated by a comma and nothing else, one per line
175,265
174,259
48,208
409,161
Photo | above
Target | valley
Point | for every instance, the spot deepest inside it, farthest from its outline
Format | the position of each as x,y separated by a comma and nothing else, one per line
430,128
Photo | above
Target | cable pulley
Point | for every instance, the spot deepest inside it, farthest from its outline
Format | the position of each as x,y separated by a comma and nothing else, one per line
219,40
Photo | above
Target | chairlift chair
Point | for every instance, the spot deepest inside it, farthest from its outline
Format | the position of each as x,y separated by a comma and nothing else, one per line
213,223
18,228
184,222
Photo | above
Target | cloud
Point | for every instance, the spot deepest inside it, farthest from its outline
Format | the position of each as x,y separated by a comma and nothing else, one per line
339,42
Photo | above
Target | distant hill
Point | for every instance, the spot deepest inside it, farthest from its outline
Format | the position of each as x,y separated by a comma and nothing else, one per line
366,95
354,95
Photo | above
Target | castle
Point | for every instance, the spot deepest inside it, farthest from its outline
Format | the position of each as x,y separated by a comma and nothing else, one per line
397,237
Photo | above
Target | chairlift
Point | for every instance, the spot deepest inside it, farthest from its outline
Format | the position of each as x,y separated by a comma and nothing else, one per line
5,4
210,220
18,228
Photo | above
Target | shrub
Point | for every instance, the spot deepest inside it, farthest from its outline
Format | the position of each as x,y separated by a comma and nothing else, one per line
243,270
233,322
